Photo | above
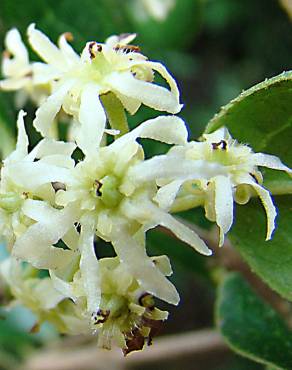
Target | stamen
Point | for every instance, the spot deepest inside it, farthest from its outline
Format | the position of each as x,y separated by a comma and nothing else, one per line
68,36
221,145
97,184
58,186
101,316
127,48
94,48
147,300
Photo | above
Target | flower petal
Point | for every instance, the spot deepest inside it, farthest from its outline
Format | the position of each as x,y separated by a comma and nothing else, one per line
32,175
22,141
36,244
134,256
11,84
152,95
49,146
223,205
15,45
44,47
47,112
171,167
68,52
130,104
167,194
169,79
168,129
89,269
92,118
150,215
270,161
268,204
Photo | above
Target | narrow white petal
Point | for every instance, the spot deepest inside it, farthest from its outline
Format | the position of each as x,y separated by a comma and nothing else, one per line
154,96
22,140
69,53
44,73
223,205
268,204
11,84
32,175
44,47
62,286
71,239
89,269
183,232
15,45
38,210
92,118
50,146
169,79
45,293
47,112
168,129
270,161
130,104
163,264
134,256
152,216
36,244
167,194
171,167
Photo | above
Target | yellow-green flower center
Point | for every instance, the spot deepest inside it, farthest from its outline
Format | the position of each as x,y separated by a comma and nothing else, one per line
107,190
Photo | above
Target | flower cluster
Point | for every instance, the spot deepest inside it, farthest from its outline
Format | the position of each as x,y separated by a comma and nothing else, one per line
55,210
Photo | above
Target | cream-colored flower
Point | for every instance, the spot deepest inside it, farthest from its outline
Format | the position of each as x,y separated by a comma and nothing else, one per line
234,176
110,201
26,185
19,72
40,296
114,66
126,315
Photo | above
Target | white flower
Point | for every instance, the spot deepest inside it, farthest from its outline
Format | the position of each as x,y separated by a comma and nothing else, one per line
109,202
19,72
26,192
234,176
126,315
40,296
80,80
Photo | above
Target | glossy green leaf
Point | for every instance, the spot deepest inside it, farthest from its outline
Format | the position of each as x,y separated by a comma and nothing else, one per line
271,260
262,117
250,326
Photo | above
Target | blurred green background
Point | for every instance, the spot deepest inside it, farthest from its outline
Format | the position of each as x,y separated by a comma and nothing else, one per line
214,49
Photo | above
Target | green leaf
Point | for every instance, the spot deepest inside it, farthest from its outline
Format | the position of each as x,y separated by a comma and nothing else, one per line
250,326
262,117
271,260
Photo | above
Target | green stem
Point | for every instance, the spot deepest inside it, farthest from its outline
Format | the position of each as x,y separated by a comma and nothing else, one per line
115,113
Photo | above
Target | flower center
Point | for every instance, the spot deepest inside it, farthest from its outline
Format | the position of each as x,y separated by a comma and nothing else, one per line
107,190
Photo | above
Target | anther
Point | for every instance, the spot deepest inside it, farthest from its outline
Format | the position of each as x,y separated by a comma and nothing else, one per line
221,145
